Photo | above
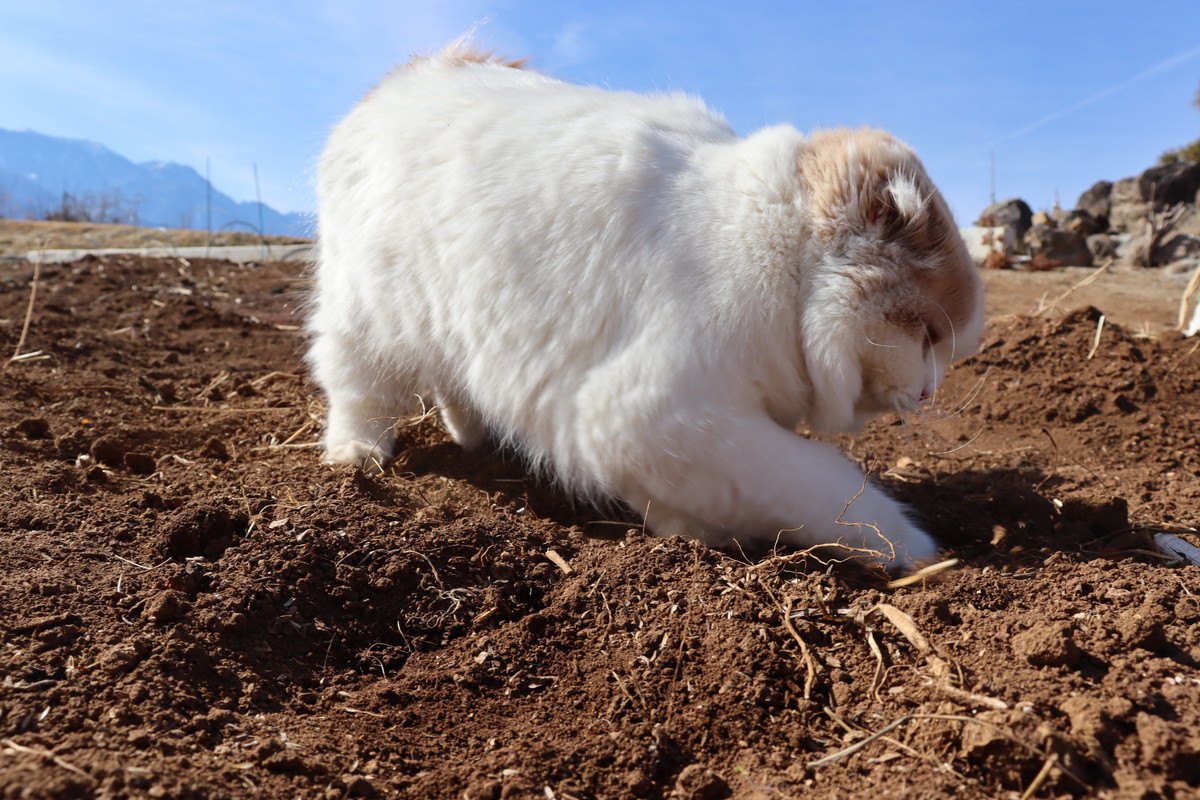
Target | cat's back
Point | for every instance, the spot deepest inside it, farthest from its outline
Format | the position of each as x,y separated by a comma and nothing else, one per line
462,106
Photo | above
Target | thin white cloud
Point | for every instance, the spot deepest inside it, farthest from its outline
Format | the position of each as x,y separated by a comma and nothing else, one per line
60,77
1162,66
570,46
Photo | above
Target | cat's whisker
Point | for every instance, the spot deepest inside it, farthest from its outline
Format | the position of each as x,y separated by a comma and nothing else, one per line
877,344
950,322
975,390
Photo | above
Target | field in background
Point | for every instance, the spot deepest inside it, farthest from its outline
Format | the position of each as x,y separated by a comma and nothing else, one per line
18,236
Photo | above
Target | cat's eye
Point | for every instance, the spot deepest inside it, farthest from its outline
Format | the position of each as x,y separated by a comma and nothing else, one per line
932,336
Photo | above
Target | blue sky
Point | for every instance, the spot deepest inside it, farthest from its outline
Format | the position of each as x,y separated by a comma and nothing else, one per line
1064,93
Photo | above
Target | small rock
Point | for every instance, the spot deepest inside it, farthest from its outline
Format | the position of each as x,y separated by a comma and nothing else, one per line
698,782
1047,645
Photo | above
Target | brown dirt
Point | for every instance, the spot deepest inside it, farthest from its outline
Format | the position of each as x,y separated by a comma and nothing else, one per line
192,606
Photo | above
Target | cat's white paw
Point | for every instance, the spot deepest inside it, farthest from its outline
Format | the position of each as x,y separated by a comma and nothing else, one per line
366,455
908,547
892,540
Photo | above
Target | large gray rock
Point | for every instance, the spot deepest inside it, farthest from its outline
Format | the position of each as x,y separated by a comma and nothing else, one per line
1014,213
1170,184
1066,247
1096,201
1127,208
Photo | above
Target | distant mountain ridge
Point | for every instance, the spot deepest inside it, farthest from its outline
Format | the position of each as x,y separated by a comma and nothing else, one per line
36,170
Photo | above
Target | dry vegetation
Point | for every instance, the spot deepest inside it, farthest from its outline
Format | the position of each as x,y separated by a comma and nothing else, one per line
18,236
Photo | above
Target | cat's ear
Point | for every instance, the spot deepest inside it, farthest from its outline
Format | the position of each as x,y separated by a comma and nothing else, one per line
892,203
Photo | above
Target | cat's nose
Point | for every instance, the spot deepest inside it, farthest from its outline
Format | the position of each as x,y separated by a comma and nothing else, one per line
926,393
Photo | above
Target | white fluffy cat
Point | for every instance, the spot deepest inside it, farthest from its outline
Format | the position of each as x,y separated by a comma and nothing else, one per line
642,303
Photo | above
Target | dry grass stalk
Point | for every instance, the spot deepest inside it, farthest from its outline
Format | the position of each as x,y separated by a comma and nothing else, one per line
1096,340
1040,778
33,751
941,668
213,384
270,376
211,410
810,665
559,561
859,745
1042,307
350,710
924,573
1184,358
33,287
1193,286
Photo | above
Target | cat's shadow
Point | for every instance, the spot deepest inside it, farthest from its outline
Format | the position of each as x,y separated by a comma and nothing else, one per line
503,474
981,516
1006,514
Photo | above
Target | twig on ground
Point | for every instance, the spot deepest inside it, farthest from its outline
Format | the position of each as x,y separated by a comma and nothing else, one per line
859,745
1096,340
33,287
1184,358
34,751
211,410
1075,287
559,561
810,665
1193,286
923,574
1040,778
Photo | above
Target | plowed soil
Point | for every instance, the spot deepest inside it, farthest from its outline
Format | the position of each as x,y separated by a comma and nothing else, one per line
192,606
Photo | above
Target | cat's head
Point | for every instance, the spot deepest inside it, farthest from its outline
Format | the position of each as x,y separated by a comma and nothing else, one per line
895,297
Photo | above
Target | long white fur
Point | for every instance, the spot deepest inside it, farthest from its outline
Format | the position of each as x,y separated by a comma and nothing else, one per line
612,282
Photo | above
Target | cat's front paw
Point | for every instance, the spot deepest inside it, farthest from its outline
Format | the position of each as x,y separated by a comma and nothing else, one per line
893,540
366,456
907,547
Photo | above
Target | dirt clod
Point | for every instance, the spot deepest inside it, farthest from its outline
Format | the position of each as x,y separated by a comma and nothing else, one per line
1048,645
698,782
34,427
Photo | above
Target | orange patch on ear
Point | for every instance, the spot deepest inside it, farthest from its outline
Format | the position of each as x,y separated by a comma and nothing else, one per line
470,55
461,55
